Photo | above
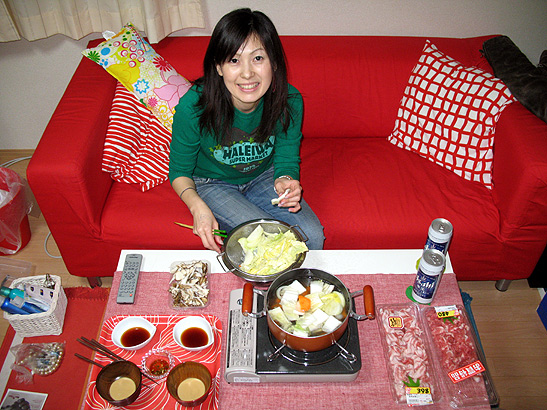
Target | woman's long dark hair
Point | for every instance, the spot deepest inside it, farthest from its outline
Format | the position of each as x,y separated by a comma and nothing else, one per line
216,101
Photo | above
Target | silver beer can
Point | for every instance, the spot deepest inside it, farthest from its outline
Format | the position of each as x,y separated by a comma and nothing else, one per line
429,275
439,235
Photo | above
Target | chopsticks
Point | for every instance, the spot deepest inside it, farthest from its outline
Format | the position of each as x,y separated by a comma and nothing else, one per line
217,232
88,360
98,347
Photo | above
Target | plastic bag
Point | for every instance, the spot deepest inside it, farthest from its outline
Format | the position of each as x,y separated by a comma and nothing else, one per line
36,358
13,208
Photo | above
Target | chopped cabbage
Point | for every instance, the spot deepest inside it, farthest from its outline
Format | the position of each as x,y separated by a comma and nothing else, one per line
278,315
316,286
330,324
268,253
290,312
297,287
316,301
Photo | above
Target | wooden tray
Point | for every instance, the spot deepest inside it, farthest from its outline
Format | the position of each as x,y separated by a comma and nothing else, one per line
157,396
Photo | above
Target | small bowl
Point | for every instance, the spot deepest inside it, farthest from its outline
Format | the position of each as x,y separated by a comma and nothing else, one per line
188,333
134,325
181,373
113,372
157,363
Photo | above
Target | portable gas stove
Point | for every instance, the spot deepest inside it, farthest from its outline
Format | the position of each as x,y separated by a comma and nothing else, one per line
254,355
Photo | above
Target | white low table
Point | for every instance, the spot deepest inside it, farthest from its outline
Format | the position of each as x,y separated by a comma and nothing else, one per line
338,262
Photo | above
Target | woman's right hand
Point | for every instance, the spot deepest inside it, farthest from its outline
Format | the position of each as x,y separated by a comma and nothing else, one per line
204,220
204,224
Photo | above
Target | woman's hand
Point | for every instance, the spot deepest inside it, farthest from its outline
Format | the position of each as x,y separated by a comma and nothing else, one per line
292,199
204,220
204,224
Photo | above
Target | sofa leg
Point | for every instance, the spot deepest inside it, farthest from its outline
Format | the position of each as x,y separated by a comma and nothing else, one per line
503,284
94,281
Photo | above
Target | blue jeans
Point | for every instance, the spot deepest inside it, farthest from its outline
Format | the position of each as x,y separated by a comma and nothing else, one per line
233,205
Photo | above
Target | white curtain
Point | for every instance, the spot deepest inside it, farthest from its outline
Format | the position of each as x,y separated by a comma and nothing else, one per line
35,19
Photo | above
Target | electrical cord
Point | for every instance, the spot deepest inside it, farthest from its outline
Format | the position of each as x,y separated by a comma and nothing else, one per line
13,161
9,164
45,248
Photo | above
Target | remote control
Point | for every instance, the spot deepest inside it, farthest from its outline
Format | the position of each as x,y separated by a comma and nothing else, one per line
130,276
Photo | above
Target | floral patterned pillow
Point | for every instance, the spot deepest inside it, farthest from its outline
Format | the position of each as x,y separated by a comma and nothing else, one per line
135,64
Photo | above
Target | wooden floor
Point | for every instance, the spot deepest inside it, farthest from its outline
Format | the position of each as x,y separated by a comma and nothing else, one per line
513,337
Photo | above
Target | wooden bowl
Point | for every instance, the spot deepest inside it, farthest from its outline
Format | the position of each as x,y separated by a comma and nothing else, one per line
113,372
185,373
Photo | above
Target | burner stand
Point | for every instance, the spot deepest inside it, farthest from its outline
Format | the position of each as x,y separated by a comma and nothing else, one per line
308,366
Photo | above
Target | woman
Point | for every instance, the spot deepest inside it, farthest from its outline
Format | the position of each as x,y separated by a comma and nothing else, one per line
237,132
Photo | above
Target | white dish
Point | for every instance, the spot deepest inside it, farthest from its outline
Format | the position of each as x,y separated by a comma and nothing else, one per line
130,323
192,322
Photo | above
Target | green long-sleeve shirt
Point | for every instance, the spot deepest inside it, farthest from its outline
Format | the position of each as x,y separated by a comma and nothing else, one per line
242,160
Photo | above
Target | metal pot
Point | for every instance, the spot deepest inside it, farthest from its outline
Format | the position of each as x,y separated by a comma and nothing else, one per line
304,276
232,255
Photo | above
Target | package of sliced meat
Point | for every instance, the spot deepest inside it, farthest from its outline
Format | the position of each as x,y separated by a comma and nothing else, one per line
460,361
408,356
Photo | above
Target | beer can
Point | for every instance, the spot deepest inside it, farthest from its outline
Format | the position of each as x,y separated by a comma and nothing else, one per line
439,235
428,276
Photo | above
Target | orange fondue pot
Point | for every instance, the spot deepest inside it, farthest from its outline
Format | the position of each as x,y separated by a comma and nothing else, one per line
305,276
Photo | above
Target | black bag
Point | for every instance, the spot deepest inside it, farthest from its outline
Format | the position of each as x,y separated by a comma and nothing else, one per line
526,82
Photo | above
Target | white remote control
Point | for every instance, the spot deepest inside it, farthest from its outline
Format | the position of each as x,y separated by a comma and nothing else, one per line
130,276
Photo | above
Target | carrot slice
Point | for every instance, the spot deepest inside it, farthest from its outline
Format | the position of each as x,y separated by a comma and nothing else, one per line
305,303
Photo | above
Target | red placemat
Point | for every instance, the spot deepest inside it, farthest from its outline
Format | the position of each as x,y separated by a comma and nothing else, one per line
157,396
370,390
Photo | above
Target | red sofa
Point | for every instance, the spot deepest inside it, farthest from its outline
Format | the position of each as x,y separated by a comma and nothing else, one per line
368,193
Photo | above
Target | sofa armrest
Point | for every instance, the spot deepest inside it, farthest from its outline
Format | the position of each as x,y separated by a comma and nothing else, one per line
520,177
65,171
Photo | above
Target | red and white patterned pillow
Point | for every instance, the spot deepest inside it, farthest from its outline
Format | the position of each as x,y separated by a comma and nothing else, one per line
136,149
448,114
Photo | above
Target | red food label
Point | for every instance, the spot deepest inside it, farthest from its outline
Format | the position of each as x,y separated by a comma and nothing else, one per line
466,371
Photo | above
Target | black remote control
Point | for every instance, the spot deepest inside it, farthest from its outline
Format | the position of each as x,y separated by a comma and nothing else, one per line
130,276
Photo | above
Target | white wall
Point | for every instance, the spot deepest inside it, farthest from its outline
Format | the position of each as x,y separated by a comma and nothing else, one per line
34,75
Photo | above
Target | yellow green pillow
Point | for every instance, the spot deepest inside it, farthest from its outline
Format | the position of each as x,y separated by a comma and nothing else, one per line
135,64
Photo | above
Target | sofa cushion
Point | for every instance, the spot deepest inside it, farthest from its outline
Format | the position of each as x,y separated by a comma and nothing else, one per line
372,195
136,148
448,115
133,62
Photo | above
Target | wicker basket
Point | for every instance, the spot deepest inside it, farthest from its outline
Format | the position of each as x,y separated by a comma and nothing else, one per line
45,323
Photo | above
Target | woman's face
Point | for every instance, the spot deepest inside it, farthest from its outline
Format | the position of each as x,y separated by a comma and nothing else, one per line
247,75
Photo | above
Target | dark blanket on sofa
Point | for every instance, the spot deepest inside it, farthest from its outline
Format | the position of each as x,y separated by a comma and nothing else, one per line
527,82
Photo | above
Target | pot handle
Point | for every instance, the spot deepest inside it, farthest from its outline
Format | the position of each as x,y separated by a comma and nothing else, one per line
247,302
219,259
296,227
368,299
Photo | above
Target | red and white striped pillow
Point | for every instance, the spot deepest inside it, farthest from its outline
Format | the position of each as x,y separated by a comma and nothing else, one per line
136,149
448,114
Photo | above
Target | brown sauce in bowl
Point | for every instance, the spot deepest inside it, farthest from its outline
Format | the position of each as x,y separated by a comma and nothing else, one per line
134,336
194,337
